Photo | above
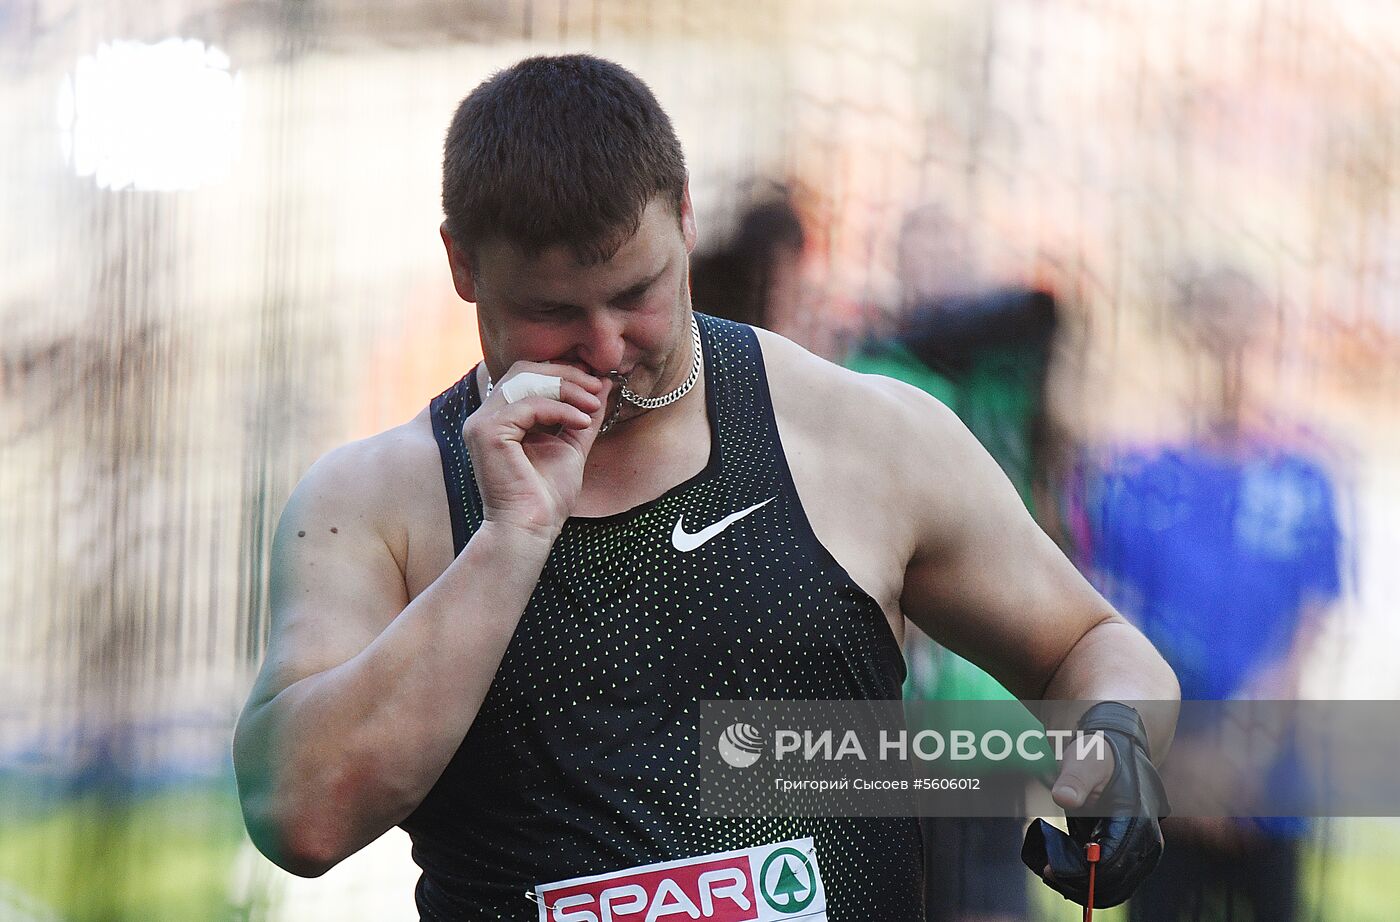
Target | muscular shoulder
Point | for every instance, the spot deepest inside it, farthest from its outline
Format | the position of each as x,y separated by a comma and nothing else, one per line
867,448
377,484
878,422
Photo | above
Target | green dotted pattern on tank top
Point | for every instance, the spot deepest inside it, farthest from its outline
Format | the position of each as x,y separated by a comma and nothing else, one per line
583,757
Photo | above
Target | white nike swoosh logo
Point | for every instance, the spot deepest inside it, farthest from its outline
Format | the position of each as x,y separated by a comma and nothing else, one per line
683,541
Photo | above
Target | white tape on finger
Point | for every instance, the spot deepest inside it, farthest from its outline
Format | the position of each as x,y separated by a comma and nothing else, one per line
530,384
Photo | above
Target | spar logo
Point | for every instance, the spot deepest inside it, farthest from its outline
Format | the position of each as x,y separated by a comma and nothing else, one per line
765,884
788,881
740,745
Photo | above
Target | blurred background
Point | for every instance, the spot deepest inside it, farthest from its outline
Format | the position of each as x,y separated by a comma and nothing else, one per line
1150,252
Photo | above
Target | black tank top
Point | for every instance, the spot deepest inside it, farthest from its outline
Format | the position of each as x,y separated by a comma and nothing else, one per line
582,758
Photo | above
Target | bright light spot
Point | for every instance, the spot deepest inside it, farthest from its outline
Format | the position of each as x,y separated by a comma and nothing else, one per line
152,117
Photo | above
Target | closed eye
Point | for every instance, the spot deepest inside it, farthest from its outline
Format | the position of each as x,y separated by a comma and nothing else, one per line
548,310
634,294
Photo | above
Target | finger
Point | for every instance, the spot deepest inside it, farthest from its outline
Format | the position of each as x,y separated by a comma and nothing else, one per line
587,401
583,439
604,394
1069,793
596,406
1079,780
534,413
569,373
1082,775
570,392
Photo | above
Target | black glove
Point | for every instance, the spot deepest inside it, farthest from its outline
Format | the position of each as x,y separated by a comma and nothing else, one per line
1124,821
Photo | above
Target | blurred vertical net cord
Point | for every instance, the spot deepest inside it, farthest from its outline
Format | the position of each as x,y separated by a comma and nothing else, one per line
267,474
274,449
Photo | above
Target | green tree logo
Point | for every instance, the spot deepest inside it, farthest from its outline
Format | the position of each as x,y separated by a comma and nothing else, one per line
792,885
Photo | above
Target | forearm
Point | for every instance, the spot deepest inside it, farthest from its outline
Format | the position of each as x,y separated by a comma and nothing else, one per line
337,758
1113,661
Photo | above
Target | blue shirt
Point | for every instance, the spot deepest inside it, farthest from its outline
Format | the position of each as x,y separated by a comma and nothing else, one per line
1213,556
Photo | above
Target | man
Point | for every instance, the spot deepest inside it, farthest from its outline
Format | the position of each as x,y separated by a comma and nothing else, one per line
1225,550
491,623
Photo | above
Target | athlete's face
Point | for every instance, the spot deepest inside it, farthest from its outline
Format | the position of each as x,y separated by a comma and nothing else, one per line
628,314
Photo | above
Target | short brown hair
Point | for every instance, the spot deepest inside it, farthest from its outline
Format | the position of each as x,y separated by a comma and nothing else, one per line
558,150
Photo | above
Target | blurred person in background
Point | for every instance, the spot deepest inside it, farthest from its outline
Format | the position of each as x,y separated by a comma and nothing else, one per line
491,624
762,276
1225,551
984,352
755,277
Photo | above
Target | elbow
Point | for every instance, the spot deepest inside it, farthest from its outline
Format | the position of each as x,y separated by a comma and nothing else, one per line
1172,682
285,826
307,812
308,859
297,844
280,816
1165,684
308,829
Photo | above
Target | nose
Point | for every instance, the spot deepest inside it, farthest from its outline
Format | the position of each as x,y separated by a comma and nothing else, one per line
601,344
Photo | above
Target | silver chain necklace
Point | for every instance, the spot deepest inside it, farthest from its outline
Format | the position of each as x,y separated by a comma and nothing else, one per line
652,403
647,403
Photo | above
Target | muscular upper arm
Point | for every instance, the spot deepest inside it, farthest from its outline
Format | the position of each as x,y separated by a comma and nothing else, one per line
982,578
335,583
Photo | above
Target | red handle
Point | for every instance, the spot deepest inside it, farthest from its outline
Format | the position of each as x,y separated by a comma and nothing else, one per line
1091,853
